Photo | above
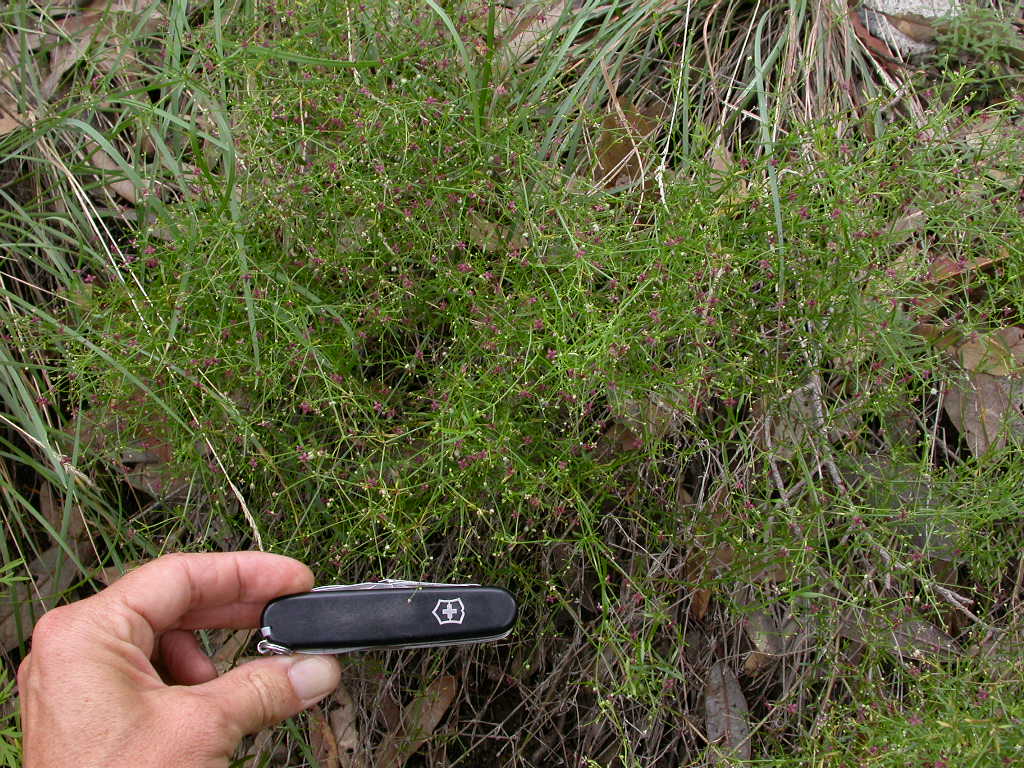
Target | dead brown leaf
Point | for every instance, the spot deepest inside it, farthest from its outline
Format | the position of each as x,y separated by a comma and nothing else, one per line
701,566
27,600
621,145
944,268
123,187
1000,353
878,48
231,647
905,226
390,711
482,233
700,599
986,409
884,484
161,481
526,28
918,28
939,337
345,730
912,638
721,164
10,122
616,440
984,130
1013,340
63,58
766,638
726,717
916,638
986,405
321,739
104,23
48,506
419,719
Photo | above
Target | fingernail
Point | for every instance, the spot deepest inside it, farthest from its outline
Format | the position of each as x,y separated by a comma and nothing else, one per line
313,677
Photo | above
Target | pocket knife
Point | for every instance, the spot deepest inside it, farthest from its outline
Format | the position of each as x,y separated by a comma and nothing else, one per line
385,614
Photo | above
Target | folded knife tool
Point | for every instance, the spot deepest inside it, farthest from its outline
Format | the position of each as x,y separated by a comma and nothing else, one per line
385,614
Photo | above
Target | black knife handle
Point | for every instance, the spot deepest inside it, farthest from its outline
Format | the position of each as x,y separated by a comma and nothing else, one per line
341,619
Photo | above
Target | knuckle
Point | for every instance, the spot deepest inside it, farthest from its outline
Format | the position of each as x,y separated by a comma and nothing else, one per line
56,641
52,626
24,672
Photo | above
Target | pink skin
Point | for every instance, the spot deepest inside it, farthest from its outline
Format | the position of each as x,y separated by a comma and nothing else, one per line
91,696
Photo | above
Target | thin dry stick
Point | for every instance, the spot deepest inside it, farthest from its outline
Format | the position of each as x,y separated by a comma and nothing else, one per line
957,601
776,475
819,411
348,38
819,418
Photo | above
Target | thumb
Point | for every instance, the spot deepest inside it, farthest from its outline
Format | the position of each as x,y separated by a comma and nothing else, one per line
264,692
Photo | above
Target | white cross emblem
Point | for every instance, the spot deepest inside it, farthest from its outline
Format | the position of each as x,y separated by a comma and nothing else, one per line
449,611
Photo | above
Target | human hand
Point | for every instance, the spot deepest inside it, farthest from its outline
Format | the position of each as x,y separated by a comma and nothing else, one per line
92,698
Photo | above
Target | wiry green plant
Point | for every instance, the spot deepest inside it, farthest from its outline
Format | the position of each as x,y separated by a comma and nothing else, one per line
376,313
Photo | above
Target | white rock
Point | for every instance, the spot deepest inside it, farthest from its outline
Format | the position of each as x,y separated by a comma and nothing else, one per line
918,11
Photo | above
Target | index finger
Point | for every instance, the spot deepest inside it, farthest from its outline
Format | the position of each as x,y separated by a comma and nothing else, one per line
201,591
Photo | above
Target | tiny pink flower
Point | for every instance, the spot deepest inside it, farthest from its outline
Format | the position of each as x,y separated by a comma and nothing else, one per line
552,354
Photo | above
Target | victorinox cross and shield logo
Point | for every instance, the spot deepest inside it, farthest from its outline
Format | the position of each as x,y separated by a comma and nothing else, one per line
449,611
